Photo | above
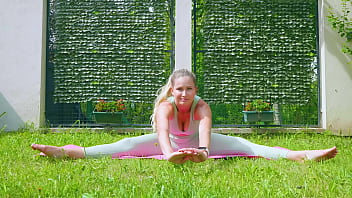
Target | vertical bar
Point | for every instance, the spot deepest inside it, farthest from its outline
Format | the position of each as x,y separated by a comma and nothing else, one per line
317,7
195,36
322,68
171,4
183,44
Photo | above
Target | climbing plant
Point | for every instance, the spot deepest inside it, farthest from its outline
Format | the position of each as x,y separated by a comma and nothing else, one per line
263,49
342,23
3,127
259,50
108,49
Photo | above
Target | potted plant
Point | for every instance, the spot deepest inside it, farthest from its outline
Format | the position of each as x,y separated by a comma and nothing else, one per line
258,111
109,112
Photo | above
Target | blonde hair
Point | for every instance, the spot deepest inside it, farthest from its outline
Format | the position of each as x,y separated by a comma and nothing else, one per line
164,92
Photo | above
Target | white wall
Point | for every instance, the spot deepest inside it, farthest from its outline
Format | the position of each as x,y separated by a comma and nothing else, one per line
22,65
21,26
336,75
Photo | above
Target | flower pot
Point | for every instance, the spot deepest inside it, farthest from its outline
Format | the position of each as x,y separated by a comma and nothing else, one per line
108,117
255,116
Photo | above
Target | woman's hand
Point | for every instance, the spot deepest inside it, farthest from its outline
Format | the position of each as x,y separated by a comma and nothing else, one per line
194,154
185,154
178,157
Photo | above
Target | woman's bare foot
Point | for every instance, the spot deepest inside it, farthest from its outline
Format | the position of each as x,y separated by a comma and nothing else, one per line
321,155
58,152
50,151
316,155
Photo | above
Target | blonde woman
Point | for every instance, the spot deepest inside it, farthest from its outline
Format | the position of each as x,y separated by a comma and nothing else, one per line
182,122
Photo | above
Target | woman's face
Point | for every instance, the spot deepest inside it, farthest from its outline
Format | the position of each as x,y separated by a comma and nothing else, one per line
184,90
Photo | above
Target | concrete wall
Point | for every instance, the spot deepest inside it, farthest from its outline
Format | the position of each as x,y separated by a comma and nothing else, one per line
22,63
21,52
336,77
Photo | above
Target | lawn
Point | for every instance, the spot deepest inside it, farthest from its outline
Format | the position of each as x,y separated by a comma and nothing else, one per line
25,175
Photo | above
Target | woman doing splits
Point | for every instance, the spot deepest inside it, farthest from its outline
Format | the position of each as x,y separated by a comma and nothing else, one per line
182,122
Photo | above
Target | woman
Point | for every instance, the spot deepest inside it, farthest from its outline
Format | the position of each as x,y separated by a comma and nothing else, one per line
183,124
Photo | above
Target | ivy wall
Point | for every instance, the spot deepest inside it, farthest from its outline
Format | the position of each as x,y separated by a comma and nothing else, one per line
106,49
258,49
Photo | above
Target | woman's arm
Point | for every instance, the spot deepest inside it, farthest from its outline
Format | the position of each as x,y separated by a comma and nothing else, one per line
204,114
163,114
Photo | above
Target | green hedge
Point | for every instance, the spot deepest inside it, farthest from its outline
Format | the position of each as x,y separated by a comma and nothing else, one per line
108,49
262,49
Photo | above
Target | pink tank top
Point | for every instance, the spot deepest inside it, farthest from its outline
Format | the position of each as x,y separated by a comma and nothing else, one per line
192,131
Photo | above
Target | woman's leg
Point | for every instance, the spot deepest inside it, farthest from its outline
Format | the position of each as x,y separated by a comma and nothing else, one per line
136,146
144,145
57,152
226,145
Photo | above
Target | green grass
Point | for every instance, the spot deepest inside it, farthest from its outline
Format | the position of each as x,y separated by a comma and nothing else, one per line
24,175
